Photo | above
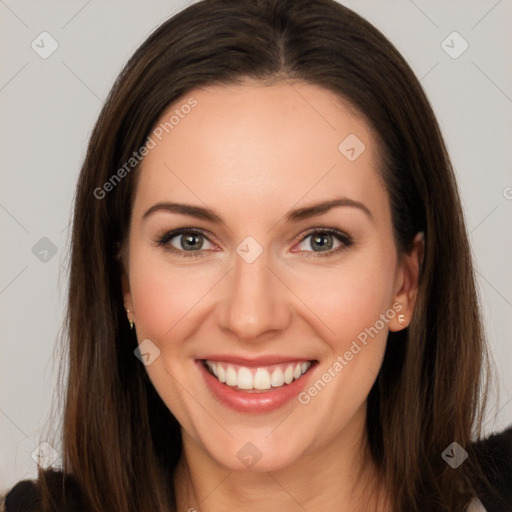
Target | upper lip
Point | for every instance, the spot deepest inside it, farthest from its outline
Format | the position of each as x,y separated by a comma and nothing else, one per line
255,361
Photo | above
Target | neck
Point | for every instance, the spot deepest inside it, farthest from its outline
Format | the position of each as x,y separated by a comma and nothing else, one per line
337,476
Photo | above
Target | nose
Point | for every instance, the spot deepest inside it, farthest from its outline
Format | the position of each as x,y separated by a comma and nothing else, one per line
256,300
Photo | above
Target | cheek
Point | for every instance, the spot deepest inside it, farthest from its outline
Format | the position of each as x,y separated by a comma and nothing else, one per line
349,305
349,297
164,295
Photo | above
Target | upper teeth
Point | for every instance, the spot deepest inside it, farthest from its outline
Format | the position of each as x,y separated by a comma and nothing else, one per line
257,378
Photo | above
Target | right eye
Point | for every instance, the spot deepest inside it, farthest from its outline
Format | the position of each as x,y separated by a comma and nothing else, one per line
184,242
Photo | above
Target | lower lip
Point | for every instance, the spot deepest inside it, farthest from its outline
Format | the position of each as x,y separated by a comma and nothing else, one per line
255,402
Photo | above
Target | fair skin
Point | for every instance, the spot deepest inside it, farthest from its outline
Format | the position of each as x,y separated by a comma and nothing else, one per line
251,153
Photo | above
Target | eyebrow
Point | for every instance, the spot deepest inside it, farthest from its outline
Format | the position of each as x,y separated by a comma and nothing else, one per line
293,216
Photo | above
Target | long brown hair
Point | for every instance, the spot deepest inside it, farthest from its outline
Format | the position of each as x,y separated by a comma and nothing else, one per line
119,440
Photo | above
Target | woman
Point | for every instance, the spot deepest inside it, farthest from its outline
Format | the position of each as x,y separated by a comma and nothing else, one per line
261,315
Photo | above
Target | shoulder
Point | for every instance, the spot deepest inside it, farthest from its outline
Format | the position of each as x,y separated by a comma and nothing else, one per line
26,496
494,455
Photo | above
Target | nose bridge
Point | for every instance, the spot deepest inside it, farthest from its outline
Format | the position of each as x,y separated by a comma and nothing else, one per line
255,301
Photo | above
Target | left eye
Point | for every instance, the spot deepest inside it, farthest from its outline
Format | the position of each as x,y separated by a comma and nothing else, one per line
325,242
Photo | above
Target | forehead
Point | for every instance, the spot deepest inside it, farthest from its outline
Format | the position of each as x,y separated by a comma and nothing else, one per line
282,144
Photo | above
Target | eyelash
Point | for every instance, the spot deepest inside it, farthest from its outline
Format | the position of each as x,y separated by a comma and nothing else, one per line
346,240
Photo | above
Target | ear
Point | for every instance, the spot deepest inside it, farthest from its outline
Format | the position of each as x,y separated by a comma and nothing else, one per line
407,283
125,283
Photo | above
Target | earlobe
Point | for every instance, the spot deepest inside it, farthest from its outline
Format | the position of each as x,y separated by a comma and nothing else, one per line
401,319
127,296
408,284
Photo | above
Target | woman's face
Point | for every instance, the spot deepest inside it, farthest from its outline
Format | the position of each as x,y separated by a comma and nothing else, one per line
258,283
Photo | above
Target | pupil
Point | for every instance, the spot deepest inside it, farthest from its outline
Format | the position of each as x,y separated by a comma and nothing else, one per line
321,241
188,242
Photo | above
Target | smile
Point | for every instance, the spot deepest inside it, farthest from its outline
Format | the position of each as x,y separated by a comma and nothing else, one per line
256,387
262,378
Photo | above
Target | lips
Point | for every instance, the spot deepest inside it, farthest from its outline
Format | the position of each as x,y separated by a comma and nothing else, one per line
255,385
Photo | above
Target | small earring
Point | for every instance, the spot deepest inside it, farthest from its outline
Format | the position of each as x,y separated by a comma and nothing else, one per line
131,323
401,319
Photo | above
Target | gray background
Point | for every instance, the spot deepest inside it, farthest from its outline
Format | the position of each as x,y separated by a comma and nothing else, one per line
48,109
